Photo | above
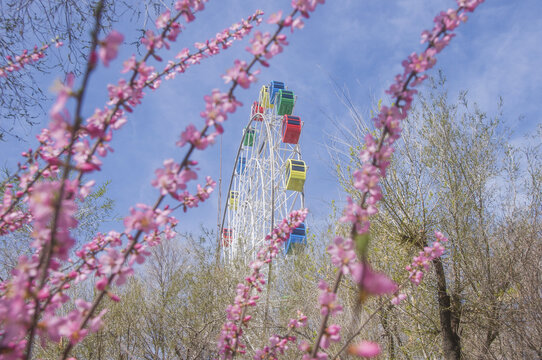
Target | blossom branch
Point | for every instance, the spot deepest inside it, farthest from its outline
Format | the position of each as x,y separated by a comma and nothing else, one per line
230,343
377,153
47,253
27,57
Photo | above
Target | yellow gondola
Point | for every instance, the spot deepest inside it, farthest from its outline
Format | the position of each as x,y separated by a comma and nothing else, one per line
264,97
296,173
233,199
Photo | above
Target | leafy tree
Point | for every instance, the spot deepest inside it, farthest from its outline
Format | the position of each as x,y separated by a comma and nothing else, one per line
456,171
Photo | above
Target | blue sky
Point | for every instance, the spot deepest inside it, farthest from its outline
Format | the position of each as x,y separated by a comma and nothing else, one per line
358,45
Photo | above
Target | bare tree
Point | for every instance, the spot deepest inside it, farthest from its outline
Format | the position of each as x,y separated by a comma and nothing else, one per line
24,24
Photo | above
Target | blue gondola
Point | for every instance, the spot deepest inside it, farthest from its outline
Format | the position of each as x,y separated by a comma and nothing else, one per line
274,87
241,164
297,237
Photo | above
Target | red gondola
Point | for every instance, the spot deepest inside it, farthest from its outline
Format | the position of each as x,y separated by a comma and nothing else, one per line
227,235
291,129
256,110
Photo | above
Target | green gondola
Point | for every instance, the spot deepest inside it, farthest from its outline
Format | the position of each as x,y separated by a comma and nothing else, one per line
250,135
285,101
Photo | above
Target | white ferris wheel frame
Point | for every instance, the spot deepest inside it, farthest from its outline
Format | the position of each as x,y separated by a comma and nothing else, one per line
263,200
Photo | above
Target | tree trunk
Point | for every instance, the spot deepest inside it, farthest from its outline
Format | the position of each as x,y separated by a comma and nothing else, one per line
451,345
388,333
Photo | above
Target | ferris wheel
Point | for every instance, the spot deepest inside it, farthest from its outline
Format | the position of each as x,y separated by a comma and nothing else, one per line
268,176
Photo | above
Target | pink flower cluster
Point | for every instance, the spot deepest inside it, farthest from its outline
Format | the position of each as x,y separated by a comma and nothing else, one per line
212,46
188,7
217,107
203,192
42,205
18,62
343,254
371,282
230,340
331,334
421,262
328,300
173,178
185,8
279,344
109,47
11,219
329,306
263,45
239,74
344,257
306,6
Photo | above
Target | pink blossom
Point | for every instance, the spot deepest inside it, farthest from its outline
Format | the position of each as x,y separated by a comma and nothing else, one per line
297,23
170,179
174,31
42,205
163,19
153,41
239,74
370,282
300,321
109,47
129,65
26,57
193,136
365,349
331,334
358,216
258,43
142,219
101,284
306,6
396,300
275,18
277,346
342,253
328,300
